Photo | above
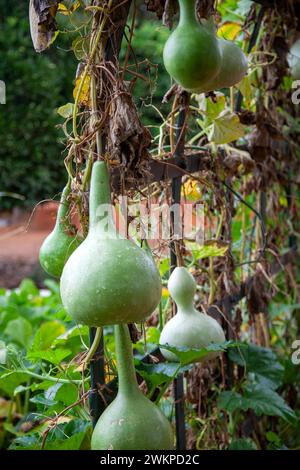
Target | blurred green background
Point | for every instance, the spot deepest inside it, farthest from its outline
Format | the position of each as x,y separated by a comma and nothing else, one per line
31,150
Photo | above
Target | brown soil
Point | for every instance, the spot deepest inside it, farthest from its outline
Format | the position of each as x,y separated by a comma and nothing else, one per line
20,241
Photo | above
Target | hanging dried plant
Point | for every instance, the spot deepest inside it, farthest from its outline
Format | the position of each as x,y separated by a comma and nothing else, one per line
42,22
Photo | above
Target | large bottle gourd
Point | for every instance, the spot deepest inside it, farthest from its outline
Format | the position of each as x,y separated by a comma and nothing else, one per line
189,328
192,54
108,279
61,242
131,421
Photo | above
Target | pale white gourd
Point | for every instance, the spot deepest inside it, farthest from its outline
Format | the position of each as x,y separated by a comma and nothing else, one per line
188,328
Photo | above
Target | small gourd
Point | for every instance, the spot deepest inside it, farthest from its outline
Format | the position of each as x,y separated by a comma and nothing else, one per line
192,54
189,328
61,242
108,279
233,68
294,60
131,421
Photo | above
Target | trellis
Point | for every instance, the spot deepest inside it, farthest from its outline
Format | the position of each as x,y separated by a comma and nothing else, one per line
173,169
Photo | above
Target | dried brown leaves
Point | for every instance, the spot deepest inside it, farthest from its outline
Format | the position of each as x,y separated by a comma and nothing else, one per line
42,22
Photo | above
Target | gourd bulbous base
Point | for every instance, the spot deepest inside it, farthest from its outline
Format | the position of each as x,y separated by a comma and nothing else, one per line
193,330
56,250
135,424
192,56
110,281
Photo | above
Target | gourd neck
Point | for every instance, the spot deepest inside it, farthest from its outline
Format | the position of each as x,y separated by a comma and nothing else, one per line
188,13
185,308
126,371
63,208
100,211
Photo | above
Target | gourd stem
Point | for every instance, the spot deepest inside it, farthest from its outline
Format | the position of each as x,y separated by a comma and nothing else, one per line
63,206
188,12
100,202
125,364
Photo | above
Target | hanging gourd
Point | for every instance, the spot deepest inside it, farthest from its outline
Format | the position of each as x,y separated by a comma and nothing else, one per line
294,60
233,68
108,279
131,421
192,54
189,328
61,242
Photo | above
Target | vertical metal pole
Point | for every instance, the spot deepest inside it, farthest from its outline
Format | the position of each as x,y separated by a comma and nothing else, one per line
178,386
97,372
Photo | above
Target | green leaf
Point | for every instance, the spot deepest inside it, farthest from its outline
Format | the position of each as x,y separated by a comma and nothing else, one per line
74,442
28,288
19,330
66,111
67,394
291,372
273,438
244,7
46,335
164,266
225,129
29,442
262,400
152,335
213,108
242,444
55,356
186,356
40,399
157,374
245,88
3,352
73,332
211,248
230,401
11,380
263,362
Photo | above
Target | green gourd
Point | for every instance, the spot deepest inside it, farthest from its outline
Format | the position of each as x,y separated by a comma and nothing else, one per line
192,54
131,421
108,279
233,68
294,60
189,328
61,242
